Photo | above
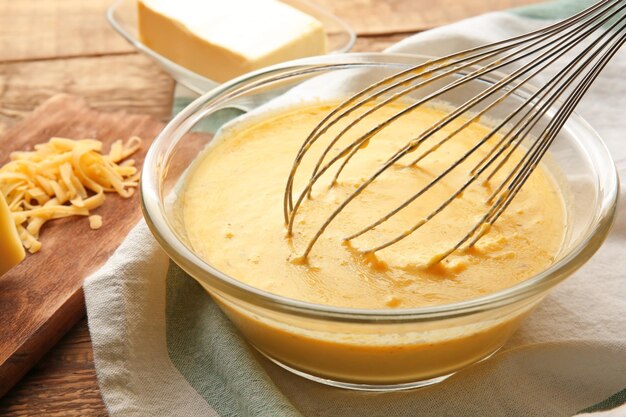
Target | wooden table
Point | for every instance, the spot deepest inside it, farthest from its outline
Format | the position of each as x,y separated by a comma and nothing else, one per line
54,46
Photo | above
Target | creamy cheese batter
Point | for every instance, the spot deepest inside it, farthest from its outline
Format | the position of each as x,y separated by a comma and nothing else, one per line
233,215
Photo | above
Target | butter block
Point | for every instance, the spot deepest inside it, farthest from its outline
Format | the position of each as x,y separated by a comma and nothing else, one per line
222,39
11,249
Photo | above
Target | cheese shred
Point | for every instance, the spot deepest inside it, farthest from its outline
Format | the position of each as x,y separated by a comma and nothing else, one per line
65,177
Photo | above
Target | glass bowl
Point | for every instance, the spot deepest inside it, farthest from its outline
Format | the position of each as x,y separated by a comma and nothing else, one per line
122,15
382,349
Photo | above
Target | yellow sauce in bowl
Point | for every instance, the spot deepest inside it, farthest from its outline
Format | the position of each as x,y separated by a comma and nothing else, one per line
233,218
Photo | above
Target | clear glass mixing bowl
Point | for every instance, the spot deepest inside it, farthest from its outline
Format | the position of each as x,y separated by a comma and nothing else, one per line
362,348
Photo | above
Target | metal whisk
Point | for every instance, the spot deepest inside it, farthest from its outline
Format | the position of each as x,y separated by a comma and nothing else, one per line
574,50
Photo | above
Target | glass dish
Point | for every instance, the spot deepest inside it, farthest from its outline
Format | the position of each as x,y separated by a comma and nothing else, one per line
362,348
122,15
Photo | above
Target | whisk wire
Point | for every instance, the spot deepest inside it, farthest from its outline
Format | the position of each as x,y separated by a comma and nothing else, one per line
323,126
341,111
547,46
554,129
351,149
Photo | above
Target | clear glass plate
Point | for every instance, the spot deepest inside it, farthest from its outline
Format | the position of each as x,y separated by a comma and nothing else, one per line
122,15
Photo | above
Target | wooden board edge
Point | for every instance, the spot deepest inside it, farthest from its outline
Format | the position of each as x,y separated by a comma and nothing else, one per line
48,335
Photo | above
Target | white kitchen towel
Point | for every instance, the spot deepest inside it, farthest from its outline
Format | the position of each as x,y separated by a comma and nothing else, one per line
163,348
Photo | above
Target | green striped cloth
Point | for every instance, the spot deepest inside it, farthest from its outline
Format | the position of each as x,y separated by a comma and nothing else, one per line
163,348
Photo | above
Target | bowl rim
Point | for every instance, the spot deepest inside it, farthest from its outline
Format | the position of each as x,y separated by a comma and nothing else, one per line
184,75
194,265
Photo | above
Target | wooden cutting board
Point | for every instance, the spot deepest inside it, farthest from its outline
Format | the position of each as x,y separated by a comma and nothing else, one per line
42,298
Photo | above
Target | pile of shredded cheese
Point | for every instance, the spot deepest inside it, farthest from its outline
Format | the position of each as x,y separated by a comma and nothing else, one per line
63,178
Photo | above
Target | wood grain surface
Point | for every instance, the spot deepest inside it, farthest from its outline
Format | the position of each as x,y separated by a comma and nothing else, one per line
41,298
52,46
376,17
53,29
62,384
113,82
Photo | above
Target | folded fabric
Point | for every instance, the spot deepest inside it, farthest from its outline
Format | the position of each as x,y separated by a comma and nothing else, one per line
163,348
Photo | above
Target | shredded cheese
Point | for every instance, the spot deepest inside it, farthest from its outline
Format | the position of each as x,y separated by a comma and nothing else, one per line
95,222
62,178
